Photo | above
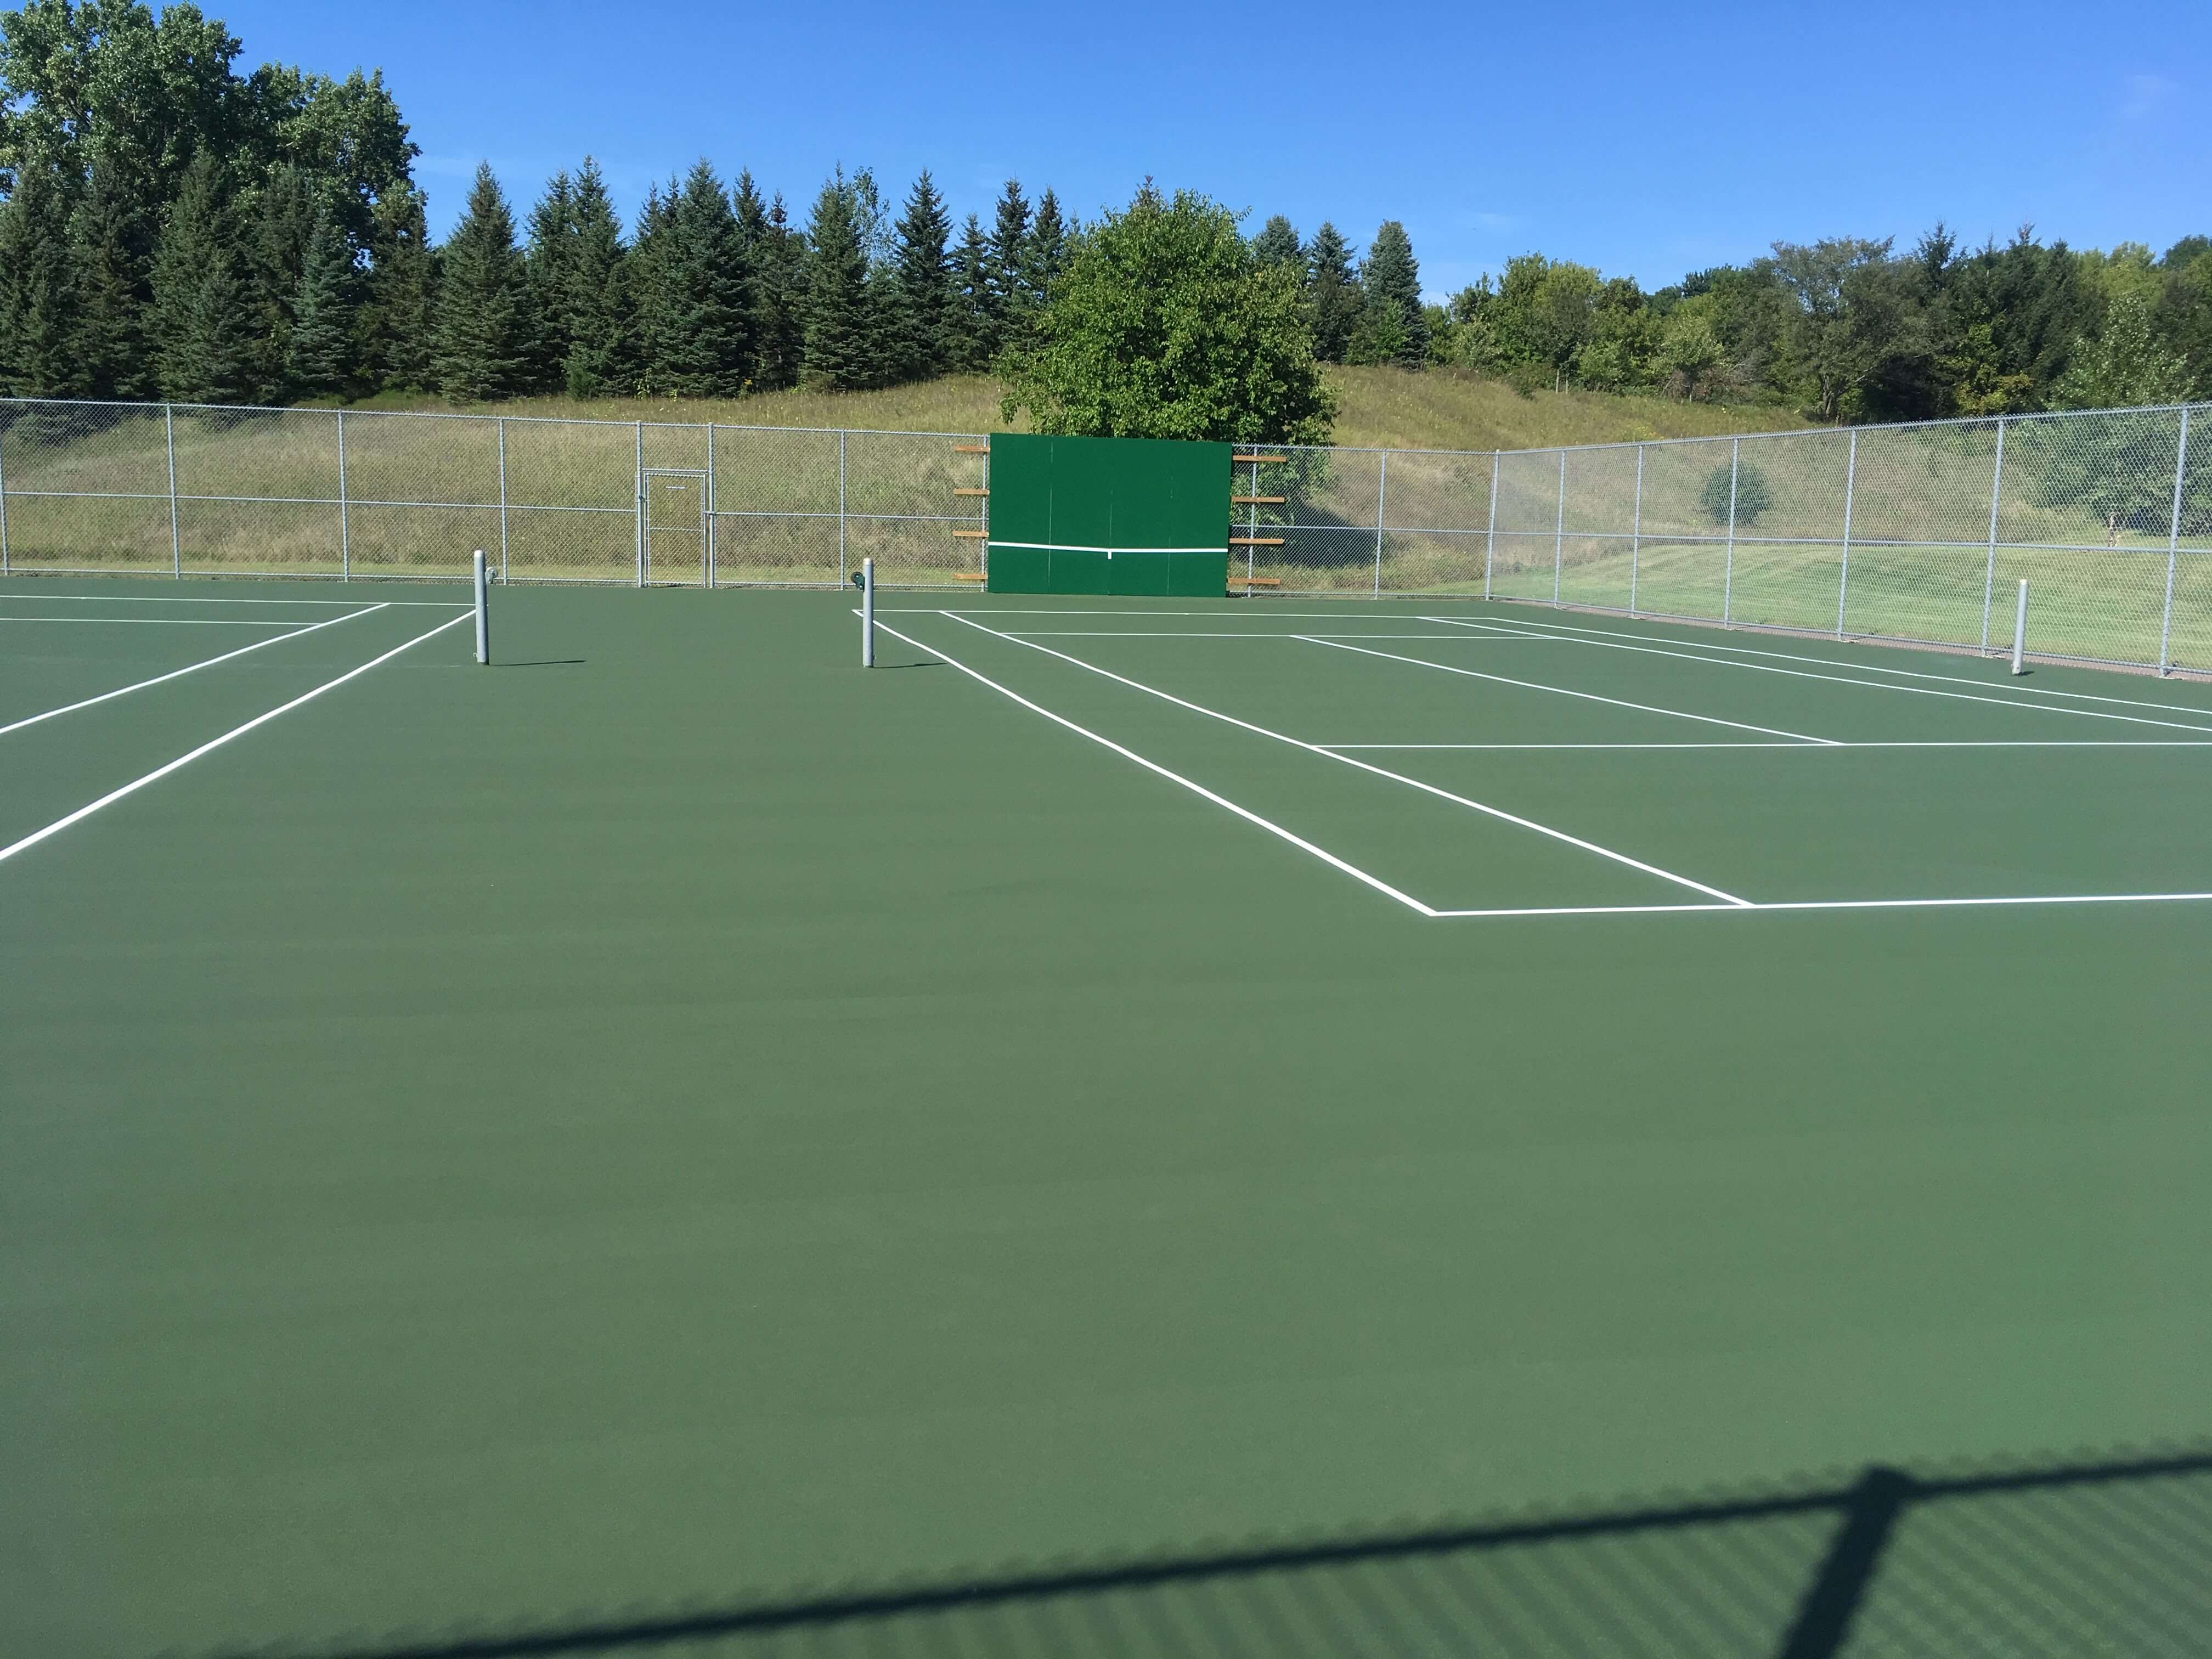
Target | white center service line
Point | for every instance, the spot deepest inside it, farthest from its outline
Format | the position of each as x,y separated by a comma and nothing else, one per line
213,744
1347,760
179,673
1561,690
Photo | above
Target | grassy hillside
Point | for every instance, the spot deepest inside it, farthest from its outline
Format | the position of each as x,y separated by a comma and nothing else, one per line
1439,409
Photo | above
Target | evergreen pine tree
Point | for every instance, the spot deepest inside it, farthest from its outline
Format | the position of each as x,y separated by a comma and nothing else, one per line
703,341
1006,257
597,302
783,296
398,324
284,214
975,333
38,290
1277,244
205,338
111,252
1047,249
485,340
549,238
1392,327
319,360
921,346
651,250
1331,293
837,322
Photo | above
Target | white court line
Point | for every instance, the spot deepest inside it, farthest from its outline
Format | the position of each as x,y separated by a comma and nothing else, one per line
1808,748
1840,679
10,595
1396,777
1246,813
213,744
153,622
1570,631
1833,904
1588,697
1191,633
179,673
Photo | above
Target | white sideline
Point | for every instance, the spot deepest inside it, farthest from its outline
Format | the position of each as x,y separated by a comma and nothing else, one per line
1836,679
1928,743
1246,813
1570,631
1347,760
1246,633
193,668
213,744
1832,904
1590,696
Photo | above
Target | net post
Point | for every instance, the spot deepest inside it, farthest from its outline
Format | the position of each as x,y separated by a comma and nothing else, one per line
483,609
867,613
2020,631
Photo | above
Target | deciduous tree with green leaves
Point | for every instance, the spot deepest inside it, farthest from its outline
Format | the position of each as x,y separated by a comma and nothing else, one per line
1165,326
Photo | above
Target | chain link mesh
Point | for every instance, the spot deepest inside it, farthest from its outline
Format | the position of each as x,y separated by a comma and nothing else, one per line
1916,532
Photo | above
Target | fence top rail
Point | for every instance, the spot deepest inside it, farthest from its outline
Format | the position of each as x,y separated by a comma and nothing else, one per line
1798,433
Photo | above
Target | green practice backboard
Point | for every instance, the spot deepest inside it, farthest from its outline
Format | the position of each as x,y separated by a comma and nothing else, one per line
1108,515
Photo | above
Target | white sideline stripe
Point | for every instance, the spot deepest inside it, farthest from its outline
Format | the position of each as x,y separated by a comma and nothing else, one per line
1588,697
11,595
1958,743
1567,630
1134,634
1833,904
179,673
1077,547
1246,813
1837,679
151,622
1396,777
213,744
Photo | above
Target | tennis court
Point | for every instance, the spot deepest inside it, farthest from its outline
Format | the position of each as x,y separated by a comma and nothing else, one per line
1261,1126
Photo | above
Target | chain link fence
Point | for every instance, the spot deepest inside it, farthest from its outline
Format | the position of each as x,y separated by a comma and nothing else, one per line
1914,533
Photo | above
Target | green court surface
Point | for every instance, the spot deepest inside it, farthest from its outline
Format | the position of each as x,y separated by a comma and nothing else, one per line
1149,1126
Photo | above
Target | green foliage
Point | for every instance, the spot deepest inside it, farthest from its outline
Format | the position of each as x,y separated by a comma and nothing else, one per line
319,361
1390,327
923,342
111,255
2128,364
1746,485
971,343
398,322
1332,299
840,330
486,346
1165,326
695,307
39,353
1278,244
205,334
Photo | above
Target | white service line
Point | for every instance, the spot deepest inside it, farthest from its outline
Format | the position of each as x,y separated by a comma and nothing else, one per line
179,673
1839,679
1569,631
1832,904
9,596
156,621
1246,813
213,744
1246,633
1588,696
1396,777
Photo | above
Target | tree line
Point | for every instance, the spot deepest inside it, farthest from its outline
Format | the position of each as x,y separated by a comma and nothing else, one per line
171,228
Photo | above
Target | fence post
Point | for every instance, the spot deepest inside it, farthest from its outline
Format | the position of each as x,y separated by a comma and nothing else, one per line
1382,492
1251,525
3,511
710,503
1844,579
345,524
1490,551
1727,570
1560,531
2172,549
176,542
1636,533
502,498
641,508
1989,577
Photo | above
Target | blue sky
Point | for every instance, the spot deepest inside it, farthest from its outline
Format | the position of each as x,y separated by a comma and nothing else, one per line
1647,139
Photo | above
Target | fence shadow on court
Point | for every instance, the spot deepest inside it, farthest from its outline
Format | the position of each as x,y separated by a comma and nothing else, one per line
2086,1557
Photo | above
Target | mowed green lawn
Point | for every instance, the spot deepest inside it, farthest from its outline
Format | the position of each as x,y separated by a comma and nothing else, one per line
673,1122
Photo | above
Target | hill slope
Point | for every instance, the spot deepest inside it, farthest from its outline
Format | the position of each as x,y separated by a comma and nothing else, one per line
1437,409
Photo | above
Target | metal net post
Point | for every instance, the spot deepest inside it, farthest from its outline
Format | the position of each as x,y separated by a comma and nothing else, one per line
2172,550
1990,572
867,613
